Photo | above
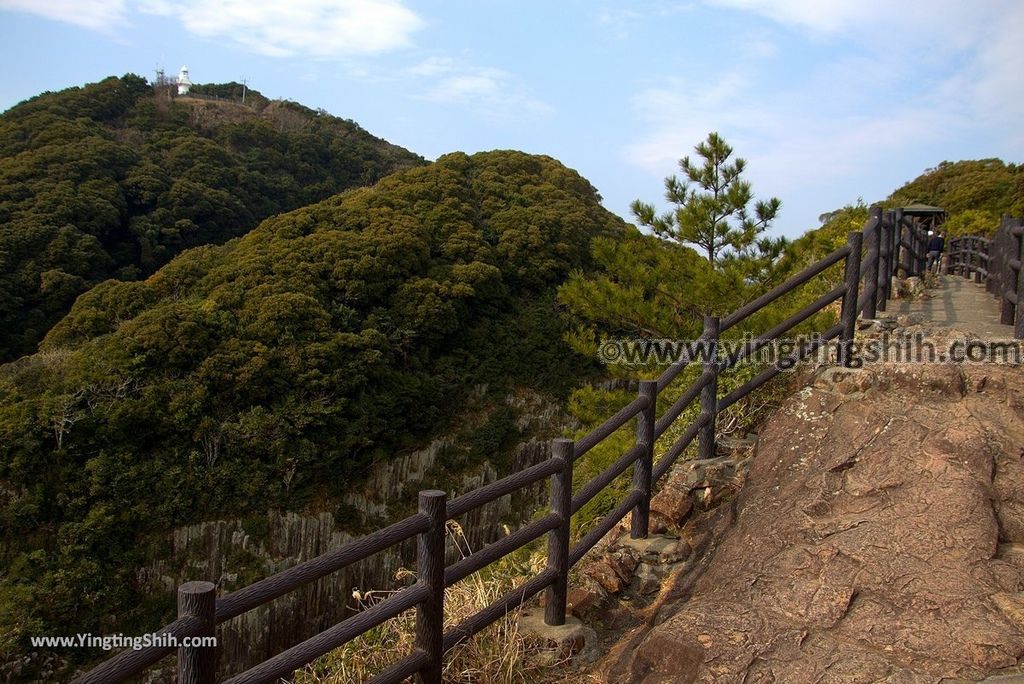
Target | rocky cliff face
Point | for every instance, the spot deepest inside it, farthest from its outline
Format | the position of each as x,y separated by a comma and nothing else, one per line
235,552
878,539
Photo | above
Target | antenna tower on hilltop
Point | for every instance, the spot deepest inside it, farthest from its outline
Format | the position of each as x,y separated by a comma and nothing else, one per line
162,84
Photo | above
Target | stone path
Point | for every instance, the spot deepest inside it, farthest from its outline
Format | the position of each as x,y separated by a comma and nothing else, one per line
958,303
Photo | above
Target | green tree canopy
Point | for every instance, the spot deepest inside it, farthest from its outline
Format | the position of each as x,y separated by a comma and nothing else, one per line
114,179
268,372
711,204
973,192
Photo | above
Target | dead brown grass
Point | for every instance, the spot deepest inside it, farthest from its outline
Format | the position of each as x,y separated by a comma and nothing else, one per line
500,654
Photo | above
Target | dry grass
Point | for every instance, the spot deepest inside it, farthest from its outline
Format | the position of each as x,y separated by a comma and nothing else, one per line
500,654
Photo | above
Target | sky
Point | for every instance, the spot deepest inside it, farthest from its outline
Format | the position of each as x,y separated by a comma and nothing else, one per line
827,100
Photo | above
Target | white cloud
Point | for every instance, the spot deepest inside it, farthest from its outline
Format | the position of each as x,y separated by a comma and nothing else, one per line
621,21
99,15
994,79
161,7
493,93
795,141
320,28
432,66
799,144
316,28
903,77
818,15
463,88
968,52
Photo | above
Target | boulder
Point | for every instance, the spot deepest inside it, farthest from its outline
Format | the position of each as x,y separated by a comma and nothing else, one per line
670,508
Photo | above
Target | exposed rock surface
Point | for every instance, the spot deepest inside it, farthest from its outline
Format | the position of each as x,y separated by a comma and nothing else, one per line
879,538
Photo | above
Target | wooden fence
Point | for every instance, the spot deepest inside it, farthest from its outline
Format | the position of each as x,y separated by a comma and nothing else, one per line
997,263
870,258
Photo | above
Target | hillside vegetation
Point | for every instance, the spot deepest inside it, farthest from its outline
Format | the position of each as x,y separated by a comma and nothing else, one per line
975,193
112,180
268,372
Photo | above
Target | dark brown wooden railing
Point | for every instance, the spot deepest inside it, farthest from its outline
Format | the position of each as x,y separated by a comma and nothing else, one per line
997,263
870,257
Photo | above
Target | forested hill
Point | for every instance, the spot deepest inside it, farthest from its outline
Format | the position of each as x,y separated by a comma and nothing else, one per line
974,192
114,179
267,372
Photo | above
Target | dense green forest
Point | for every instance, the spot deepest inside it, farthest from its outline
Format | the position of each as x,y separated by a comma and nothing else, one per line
975,193
113,179
267,372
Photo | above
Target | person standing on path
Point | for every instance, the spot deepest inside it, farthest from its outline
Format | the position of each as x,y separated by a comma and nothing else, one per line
936,244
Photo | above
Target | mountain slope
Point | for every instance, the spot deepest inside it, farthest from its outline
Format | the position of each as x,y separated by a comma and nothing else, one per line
974,192
268,372
114,179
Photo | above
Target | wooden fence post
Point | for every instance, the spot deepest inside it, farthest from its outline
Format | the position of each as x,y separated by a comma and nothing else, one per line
969,263
915,238
645,462
973,241
998,283
198,664
709,393
982,250
925,229
903,244
914,247
894,251
893,248
924,247
1018,232
871,272
912,233
925,237
557,594
855,241
430,564
884,280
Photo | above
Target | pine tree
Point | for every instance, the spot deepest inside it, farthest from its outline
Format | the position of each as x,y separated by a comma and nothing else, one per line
711,204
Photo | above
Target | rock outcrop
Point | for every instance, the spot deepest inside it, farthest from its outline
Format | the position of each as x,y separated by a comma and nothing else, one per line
879,538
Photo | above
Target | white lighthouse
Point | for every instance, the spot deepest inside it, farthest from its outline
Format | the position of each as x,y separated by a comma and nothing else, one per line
183,82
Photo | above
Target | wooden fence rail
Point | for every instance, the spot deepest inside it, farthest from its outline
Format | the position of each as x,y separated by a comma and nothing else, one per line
891,241
995,262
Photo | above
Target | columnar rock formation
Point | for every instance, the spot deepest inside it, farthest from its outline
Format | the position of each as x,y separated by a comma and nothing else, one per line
231,554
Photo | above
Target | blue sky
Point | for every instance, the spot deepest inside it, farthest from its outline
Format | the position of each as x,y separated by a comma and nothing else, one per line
828,100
